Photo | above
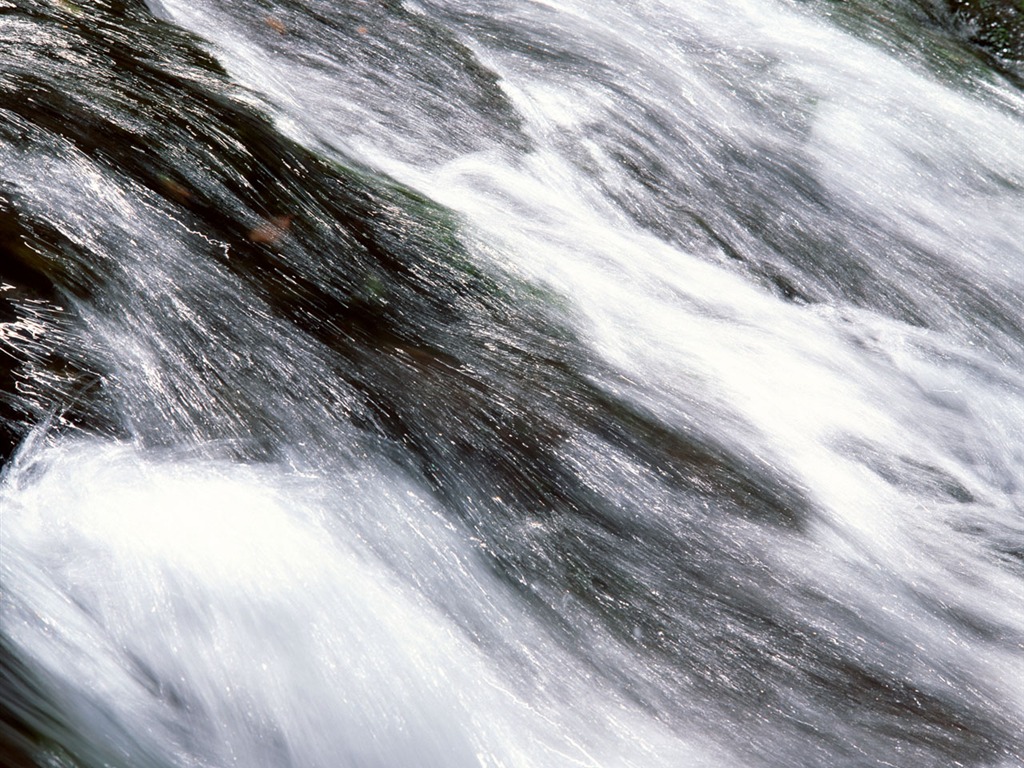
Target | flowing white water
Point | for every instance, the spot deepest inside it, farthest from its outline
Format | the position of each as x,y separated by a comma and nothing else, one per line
273,619
324,611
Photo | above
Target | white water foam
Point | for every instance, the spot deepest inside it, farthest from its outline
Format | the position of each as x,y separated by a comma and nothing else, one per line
218,614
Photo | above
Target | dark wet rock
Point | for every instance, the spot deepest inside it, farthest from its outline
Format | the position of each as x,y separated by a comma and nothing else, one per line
996,26
46,374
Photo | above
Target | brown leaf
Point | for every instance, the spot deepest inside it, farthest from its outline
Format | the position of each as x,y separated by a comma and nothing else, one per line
175,190
271,230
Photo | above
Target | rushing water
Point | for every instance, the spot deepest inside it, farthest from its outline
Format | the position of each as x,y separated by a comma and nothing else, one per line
510,383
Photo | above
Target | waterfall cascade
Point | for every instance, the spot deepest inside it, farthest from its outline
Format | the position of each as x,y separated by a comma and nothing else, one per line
511,383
